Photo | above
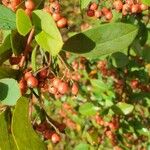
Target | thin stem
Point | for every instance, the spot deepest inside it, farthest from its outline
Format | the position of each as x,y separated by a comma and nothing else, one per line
26,51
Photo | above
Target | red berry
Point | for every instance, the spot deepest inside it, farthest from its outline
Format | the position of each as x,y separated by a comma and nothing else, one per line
98,13
58,95
143,7
118,5
32,82
135,8
29,4
75,89
28,12
22,86
134,84
109,15
55,7
43,73
27,75
63,88
56,16
52,90
125,9
93,6
56,82
90,13
104,10
62,22
55,138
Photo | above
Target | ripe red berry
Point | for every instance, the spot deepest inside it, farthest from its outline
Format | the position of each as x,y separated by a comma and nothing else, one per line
105,10
62,22
118,5
90,13
63,88
27,75
29,4
143,7
75,88
32,82
93,6
134,84
52,90
98,13
135,8
55,138
55,7
28,12
109,15
125,9
22,86
43,73
56,16
56,82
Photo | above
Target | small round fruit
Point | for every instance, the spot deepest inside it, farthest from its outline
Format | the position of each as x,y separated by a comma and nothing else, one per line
75,88
63,88
98,13
56,82
61,23
143,7
56,16
32,82
43,73
93,6
135,8
55,7
28,12
27,75
105,10
118,5
90,13
29,4
22,86
55,138
52,90
109,15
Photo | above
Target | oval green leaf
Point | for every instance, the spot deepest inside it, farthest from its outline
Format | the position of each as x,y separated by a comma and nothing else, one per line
146,2
7,18
119,59
87,109
102,40
23,133
9,91
6,138
23,22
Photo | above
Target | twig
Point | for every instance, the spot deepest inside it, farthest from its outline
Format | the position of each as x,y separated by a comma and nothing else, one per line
30,37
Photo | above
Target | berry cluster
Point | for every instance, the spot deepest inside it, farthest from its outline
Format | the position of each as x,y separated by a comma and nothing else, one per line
54,10
60,87
127,7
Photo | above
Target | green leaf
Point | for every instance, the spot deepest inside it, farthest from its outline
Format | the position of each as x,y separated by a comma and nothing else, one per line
119,59
146,2
87,109
48,43
84,3
44,21
5,45
6,139
33,59
48,32
17,42
7,18
23,22
123,108
22,130
9,91
8,73
82,146
146,54
102,40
